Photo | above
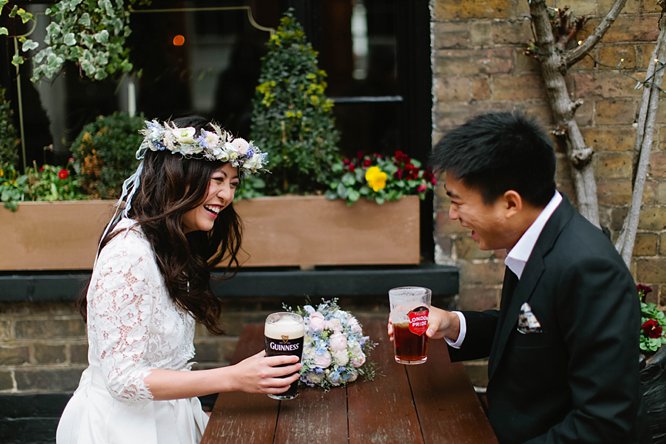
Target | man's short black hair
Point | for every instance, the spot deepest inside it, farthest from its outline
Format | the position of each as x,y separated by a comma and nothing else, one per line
497,152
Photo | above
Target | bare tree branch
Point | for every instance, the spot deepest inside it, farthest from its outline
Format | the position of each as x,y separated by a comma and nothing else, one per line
644,139
574,55
553,68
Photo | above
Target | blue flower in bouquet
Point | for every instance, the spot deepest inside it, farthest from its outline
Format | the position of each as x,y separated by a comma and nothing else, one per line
335,349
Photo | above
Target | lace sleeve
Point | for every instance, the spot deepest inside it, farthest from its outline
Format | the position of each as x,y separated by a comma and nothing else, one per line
120,309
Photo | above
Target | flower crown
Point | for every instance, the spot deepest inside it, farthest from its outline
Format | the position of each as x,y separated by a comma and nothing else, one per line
208,145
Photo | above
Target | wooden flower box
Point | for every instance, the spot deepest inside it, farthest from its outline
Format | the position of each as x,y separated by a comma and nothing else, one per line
303,231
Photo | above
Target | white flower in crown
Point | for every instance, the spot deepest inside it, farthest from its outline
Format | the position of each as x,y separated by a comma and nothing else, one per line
241,145
183,136
208,139
255,163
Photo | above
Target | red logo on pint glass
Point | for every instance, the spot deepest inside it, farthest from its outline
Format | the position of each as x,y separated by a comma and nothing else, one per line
418,320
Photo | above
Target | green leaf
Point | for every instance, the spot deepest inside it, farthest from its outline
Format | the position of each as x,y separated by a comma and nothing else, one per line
348,179
25,15
29,45
3,31
69,39
342,191
17,60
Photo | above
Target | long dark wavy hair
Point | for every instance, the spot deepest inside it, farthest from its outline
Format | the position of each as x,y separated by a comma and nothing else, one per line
170,186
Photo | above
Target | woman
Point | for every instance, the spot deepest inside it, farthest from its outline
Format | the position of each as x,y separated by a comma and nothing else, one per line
175,221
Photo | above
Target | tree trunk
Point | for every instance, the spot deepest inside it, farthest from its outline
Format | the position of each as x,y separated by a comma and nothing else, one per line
644,138
553,68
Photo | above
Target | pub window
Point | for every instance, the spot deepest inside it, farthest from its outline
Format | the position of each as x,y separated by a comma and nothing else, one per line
203,57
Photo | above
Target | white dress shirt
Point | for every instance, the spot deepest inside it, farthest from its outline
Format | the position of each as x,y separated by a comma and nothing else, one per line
517,257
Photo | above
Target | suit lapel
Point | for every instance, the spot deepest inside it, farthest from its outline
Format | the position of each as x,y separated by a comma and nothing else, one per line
512,301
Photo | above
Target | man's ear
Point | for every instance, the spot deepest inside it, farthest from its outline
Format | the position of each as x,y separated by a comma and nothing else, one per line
513,202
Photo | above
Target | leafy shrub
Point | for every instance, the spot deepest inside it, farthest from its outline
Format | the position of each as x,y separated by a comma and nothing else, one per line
292,118
45,183
8,139
104,153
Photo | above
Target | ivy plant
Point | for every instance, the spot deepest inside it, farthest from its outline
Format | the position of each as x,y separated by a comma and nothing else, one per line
292,118
90,33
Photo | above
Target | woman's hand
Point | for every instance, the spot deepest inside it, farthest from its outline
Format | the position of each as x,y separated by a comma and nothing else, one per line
263,374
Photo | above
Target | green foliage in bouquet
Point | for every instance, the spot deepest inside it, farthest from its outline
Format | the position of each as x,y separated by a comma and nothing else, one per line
8,137
379,178
105,153
292,118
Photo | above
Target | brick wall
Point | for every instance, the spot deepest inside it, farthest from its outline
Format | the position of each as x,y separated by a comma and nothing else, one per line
479,64
43,346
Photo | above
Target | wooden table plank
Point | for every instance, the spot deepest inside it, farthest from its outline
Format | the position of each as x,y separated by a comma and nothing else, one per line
383,410
428,403
448,409
248,418
314,417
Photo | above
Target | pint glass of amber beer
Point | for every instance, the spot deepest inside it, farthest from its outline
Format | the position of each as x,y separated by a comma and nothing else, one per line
409,315
283,335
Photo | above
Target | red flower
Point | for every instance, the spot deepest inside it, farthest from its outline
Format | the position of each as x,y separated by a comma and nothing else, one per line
63,174
401,156
367,162
643,289
421,188
652,329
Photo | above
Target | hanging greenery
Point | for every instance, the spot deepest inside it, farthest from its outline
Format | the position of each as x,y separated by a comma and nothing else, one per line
90,33
292,118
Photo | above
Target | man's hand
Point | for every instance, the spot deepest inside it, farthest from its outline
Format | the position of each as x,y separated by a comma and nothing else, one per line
441,323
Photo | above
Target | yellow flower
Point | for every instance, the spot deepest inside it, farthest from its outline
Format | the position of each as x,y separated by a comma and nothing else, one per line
376,178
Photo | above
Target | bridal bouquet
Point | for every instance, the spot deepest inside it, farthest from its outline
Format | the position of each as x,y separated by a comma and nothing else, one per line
335,350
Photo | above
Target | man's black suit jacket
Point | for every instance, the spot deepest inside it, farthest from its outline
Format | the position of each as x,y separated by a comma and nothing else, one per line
576,381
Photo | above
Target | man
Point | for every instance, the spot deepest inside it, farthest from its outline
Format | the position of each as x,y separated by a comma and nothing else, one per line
563,347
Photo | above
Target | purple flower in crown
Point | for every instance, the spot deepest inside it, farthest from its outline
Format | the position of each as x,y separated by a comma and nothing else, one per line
159,145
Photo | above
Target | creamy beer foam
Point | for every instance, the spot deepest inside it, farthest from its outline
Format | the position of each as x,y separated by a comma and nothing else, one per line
285,326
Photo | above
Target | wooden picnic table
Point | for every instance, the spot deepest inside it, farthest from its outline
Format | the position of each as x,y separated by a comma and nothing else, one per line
428,403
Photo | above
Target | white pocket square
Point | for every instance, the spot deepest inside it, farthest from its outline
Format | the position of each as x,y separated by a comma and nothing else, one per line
527,322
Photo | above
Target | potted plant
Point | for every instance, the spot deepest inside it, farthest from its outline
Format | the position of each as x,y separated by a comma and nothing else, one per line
652,416
292,119
296,225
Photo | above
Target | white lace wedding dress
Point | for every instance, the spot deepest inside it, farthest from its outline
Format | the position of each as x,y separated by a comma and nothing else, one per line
133,327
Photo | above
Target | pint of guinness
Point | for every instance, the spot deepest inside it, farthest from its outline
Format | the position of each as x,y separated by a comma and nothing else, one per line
283,334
